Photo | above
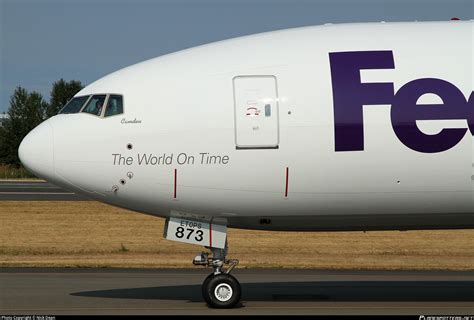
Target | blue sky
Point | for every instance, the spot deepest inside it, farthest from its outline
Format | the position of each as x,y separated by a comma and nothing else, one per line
42,41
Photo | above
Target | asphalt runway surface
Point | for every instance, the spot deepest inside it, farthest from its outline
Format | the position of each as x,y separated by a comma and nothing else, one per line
276,291
35,191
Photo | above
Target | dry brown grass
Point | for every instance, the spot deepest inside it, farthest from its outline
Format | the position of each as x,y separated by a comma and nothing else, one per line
91,234
11,172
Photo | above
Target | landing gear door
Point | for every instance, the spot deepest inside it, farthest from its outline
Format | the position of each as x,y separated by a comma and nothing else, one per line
256,112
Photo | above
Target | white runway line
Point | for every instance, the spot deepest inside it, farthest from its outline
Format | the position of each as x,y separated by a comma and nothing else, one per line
36,193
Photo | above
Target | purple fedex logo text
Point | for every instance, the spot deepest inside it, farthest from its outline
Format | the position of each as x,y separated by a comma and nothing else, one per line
350,95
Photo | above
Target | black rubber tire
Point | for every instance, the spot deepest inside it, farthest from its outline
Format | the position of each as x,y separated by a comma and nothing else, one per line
204,286
222,280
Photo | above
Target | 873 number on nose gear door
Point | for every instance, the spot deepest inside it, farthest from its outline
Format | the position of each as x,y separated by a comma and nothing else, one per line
195,232
181,232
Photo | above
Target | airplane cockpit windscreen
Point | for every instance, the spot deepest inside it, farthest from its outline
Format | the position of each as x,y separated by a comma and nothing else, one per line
114,106
74,105
95,105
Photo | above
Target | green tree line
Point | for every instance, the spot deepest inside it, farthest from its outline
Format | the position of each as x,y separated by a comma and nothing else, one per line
26,111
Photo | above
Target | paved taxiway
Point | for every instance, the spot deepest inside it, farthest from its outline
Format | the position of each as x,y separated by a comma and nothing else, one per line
35,191
138,291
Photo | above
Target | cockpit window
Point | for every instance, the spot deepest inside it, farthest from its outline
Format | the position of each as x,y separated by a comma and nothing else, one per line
74,105
95,105
114,105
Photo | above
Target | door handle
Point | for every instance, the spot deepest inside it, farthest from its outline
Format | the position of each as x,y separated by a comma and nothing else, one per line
268,110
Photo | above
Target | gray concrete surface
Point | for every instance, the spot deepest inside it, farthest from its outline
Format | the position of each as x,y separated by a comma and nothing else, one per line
139,291
35,191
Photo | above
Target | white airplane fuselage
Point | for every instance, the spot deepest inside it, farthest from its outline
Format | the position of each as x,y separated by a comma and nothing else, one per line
334,127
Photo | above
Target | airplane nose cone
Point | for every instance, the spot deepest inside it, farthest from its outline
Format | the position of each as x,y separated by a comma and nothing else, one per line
36,151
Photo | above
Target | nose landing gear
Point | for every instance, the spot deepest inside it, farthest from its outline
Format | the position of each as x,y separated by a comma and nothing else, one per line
220,289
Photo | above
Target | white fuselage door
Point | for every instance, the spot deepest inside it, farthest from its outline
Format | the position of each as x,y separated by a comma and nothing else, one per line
256,112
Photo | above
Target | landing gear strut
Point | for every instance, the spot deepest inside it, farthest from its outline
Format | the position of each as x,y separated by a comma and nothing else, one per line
219,289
